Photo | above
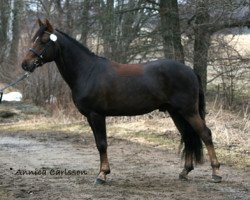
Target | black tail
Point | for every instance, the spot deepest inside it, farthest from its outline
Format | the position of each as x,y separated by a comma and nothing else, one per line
202,105
192,141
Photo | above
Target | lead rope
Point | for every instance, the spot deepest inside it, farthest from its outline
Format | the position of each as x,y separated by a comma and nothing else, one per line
26,75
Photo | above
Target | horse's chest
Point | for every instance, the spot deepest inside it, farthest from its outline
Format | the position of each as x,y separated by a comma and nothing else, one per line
88,103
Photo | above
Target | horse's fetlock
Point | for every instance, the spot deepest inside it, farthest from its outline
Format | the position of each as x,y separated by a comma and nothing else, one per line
189,168
215,165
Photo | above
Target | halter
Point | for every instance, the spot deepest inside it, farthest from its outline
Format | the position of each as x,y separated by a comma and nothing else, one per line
40,59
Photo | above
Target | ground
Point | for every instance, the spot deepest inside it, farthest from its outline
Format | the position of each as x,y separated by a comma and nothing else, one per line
140,168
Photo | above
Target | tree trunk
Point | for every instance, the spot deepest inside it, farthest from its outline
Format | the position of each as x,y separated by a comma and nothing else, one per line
107,27
4,15
69,18
10,16
13,55
85,21
202,41
170,30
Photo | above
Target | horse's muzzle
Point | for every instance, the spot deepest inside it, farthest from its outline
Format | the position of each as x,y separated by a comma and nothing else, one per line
30,67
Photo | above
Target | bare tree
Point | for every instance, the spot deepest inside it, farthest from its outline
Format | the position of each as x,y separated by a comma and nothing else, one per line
123,25
210,18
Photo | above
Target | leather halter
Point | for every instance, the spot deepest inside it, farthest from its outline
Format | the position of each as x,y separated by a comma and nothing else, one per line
40,55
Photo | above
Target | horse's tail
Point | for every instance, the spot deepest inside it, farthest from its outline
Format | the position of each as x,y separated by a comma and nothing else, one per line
192,141
202,104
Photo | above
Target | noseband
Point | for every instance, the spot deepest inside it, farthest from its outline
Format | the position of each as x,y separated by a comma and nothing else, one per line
40,56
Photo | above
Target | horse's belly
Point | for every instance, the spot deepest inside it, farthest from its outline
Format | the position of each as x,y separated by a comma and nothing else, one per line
130,108
128,112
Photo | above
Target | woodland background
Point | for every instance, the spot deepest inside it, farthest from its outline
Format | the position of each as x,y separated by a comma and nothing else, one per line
212,36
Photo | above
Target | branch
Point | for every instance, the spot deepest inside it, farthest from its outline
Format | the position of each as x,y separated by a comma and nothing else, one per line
220,74
229,24
135,9
215,27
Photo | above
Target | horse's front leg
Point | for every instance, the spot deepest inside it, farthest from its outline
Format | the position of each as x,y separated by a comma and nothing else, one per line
98,126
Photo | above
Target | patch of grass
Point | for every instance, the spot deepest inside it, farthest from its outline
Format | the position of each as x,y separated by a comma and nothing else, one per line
149,138
234,159
43,127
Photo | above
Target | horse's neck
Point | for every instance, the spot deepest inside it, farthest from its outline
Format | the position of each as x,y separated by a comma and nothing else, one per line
72,62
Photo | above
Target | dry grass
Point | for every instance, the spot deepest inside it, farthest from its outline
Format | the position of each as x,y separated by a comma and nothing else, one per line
231,132
229,128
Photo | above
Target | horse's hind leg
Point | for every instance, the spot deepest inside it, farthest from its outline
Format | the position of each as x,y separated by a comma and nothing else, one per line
205,133
185,129
98,126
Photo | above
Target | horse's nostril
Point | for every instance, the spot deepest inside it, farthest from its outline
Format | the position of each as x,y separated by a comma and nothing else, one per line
25,65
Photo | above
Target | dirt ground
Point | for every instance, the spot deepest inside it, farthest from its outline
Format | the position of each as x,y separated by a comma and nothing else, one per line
137,171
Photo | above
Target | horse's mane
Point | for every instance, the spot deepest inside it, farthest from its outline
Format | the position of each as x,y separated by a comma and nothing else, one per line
81,46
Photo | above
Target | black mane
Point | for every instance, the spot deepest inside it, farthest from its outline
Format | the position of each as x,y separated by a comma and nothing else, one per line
81,46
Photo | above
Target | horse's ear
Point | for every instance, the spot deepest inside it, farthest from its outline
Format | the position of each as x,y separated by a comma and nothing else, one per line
40,23
49,26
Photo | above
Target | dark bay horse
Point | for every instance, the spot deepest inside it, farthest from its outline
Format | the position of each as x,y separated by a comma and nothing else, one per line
101,88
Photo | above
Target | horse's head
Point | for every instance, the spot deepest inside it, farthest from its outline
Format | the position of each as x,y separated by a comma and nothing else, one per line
43,48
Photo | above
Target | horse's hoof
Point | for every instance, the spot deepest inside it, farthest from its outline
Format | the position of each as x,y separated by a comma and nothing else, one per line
183,177
216,178
99,181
